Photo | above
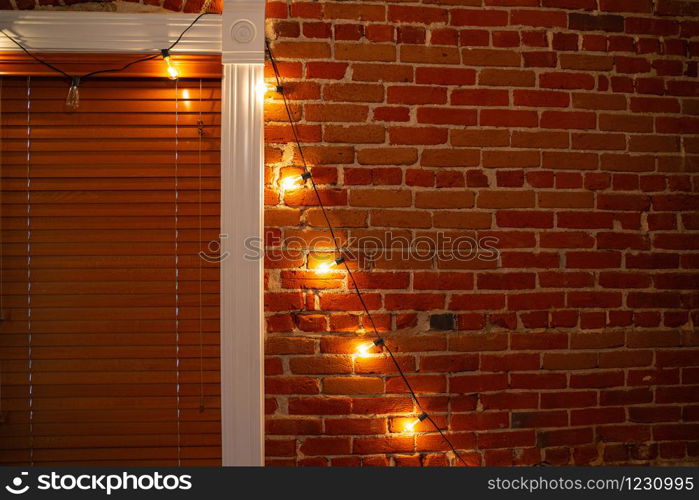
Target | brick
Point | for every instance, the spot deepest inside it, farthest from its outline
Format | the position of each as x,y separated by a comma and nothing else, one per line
599,101
478,17
569,399
489,57
651,26
301,50
382,72
391,444
480,97
475,138
444,199
565,41
387,156
540,59
429,55
522,219
447,116
539,419
538,98
409,14
416,95
411,34
508,118
361,134
539,18
417,135
445,76
353,92
506,39
365,52
472,38
506,439
566,437
336,112
588,22
586,62
449,157
325,446
352,385
568,120
567,81
639,6
565,279
615,397
506,78
505,199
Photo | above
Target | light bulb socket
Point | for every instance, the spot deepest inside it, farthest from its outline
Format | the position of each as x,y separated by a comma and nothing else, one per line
422,416
339,260
305,176
378,342
279,89
165,53
75,81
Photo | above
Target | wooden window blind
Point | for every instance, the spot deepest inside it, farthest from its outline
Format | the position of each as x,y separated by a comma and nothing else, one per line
109,339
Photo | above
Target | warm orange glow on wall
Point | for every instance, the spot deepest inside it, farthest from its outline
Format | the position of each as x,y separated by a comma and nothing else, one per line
328,265
410,426
367,348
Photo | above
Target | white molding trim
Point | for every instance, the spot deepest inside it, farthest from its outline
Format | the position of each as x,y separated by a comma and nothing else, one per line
242,326
77,31
243,31
242,202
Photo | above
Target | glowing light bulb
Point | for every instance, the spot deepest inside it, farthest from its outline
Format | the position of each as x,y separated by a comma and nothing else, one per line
270,87
364,349
172,72
410,426
73,98
294,181
326,266
263,88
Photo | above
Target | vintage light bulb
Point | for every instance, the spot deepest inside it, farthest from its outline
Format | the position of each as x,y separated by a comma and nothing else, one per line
364,349
264,87
326,266
410,426
271,87
294,181
73,98
172,72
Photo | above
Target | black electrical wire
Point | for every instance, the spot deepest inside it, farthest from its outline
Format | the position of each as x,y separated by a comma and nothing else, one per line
40,61
344,262
73,78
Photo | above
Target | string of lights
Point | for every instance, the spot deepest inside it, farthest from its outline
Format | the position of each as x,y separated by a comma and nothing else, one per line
292,182
73,98
298,181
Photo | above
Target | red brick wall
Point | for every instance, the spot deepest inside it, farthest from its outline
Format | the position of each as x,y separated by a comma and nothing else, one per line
566,128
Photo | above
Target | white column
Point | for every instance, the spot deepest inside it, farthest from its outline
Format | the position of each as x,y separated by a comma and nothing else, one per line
242,327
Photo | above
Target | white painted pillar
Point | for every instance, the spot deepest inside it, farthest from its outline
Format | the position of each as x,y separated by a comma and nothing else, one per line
242,327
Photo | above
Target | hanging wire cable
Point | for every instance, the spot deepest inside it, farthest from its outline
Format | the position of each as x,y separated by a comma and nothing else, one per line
76,79
30,339
37,59
338,249
200,134
177,270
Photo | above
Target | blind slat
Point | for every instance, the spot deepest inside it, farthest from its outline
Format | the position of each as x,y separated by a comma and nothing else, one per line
110,343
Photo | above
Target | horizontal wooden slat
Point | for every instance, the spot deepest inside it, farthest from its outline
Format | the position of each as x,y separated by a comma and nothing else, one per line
18,63
111,335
